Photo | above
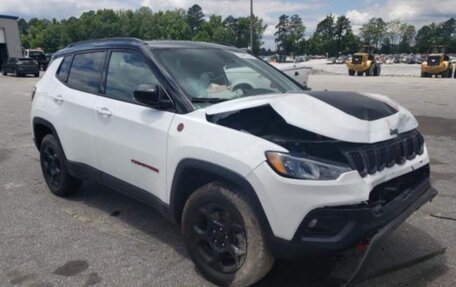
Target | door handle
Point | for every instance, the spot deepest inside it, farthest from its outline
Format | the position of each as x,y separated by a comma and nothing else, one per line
59,99
105,112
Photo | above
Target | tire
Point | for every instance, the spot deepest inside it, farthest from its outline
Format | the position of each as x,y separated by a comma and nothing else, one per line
53,166
4,73
16,73
370,71
359,73
424,74
351,72
37,75
215,217
377,70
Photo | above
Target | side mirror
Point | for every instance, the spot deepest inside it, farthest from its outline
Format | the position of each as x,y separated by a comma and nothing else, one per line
152,96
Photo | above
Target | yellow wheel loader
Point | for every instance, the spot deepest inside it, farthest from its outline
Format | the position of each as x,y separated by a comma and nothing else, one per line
365,63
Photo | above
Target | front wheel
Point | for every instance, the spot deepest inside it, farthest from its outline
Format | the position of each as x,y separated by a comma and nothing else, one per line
223,236
351,72
53,166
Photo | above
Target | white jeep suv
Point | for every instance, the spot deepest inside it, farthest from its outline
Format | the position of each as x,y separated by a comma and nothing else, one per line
252,170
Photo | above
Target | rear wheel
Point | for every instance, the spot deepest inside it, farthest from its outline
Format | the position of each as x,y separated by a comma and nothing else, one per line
351,72
37,75
53,166
424,74
223,236
359,73
377,70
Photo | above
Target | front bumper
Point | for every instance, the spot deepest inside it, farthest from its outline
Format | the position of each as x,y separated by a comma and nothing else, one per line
342,227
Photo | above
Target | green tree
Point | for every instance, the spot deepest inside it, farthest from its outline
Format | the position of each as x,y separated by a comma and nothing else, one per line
290,35
195,17
373,32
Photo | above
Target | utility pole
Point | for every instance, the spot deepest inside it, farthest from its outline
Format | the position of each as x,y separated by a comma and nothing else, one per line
251,25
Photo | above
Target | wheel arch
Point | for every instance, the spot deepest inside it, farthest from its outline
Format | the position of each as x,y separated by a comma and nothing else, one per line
191,174
41,128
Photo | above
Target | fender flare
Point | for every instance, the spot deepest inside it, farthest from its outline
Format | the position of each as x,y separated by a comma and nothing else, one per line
40,121
223,173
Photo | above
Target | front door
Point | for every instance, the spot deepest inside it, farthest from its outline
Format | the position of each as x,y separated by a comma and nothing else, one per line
130,138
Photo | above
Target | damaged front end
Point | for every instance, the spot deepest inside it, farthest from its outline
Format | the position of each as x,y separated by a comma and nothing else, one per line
264,122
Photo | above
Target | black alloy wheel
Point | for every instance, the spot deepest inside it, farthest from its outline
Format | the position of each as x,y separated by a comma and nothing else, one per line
52,166
218,236
223,236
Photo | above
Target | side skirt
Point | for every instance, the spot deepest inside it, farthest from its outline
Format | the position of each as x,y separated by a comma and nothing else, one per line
86,172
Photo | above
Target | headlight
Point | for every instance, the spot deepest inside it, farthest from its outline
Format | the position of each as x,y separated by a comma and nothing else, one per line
303,168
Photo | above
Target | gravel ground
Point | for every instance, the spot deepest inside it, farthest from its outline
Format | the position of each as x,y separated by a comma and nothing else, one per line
101,238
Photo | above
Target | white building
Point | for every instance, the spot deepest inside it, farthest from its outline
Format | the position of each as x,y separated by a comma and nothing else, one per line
10,43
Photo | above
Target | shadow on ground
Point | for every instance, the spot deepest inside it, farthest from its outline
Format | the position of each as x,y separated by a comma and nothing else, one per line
404,249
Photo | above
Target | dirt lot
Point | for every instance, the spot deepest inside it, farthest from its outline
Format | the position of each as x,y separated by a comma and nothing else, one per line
101,238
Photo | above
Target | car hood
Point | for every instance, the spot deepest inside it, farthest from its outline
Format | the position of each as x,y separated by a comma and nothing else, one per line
346,116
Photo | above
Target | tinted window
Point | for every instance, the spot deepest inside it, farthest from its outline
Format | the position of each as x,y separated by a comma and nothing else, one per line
64,68
126,71
85,72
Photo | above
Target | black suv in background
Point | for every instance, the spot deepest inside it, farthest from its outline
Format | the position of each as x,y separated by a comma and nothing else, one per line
21,67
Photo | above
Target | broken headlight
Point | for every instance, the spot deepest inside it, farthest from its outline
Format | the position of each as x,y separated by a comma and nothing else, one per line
304,168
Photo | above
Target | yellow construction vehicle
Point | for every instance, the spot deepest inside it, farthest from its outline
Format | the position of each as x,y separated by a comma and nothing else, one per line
364,62
437,63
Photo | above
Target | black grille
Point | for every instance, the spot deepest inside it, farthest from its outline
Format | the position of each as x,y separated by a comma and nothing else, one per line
371,158
433,60
357,60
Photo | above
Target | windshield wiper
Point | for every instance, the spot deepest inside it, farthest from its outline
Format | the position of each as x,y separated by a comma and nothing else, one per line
208,100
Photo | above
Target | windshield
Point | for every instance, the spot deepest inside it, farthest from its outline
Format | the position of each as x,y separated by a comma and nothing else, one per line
209,76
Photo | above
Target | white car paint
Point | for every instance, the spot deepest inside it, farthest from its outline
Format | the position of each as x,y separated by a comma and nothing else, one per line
153,137
314,115
297,71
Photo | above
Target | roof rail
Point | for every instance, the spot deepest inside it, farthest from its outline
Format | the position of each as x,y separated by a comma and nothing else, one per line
131,39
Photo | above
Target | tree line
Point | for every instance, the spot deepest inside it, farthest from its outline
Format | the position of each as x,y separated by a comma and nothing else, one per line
142,23
333,35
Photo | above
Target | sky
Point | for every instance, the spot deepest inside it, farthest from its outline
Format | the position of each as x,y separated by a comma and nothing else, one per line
416,12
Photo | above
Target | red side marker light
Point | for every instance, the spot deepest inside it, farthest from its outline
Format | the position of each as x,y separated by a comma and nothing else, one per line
180,127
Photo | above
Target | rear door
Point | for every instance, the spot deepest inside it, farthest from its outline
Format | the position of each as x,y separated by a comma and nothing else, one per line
130,138
72,100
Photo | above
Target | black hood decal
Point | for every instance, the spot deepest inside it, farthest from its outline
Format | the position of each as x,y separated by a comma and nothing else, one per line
355,104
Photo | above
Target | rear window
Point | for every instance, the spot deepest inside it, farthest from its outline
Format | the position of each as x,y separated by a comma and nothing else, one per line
85,72
62,73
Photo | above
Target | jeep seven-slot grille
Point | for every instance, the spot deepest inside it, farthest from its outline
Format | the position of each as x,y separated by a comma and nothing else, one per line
375,157
433,60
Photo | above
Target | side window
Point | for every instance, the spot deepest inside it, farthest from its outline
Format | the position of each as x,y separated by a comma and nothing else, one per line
62,73
12,60
85,72
126,71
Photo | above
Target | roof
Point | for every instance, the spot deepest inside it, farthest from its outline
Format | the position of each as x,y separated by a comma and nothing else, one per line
8,17
135,42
